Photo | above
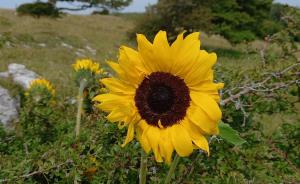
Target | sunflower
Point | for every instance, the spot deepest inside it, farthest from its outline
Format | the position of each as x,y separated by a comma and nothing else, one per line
166,93
88,65
42,84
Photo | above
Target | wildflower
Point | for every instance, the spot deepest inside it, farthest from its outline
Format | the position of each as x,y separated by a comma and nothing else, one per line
87,65
41,85
166,93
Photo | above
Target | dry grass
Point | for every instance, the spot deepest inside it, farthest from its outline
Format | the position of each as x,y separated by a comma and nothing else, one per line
50,46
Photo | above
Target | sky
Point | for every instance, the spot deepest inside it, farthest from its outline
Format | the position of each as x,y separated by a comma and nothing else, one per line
136,6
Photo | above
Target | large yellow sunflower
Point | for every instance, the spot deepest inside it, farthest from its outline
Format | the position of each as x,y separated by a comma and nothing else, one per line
166,93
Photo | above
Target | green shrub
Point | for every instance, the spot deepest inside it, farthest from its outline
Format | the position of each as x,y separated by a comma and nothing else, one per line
270,27
102,12
236,20
38,9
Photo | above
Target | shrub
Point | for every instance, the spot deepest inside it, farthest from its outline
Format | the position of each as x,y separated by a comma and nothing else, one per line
102,12
236,20
38,9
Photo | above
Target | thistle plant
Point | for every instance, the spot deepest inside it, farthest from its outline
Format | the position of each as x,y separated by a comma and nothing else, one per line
37,115
87,75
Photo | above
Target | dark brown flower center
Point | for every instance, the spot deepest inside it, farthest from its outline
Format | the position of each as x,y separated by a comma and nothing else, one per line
162,97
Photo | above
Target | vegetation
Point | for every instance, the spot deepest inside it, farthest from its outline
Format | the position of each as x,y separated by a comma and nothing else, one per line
260,101
38,9
236,20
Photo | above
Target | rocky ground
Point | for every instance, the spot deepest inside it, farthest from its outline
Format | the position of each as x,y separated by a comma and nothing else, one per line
9,105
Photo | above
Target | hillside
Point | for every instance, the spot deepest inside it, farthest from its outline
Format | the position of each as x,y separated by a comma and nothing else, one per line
50,46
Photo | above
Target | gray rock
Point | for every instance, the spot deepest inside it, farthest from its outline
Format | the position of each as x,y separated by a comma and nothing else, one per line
66,45
21,75
91,50
8,108
42,45
4,74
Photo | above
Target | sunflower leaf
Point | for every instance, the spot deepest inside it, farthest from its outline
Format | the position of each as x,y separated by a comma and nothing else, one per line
230,135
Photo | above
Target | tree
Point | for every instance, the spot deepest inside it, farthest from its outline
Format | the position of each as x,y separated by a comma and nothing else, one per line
103,4
236,20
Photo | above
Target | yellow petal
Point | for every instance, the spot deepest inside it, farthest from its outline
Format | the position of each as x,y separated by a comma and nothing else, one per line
202,143
116,67
130,134
145,49
129,61
196,134
207,104
153,136
201,70
116,116
202,120
166,146
117,86
162,52
111,102
143,136
181,140
185,53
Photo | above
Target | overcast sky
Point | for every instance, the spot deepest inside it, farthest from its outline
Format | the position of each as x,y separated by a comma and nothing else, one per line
136,6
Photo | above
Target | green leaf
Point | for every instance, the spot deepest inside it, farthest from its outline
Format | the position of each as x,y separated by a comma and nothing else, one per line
230,135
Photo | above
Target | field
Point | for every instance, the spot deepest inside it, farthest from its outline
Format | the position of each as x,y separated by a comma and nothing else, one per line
50,46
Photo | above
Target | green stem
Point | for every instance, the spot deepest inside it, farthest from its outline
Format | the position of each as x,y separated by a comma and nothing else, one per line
82,85
172,169
143,168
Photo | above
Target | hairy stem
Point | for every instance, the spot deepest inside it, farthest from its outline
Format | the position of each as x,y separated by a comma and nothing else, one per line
82,85
143,168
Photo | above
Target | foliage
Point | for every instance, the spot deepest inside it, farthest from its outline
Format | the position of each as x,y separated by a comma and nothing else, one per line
102,12
38,9
236,20
174,17
230,135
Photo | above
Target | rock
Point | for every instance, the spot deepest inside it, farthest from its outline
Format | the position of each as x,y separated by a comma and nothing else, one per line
8,108
4,74
66,45
42,45
91,50
21,75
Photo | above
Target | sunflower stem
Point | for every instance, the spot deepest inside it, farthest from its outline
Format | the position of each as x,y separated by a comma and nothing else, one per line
143,168
82,85
172,169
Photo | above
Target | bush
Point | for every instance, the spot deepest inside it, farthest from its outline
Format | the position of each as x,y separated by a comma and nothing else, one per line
38,9
236,20
102,12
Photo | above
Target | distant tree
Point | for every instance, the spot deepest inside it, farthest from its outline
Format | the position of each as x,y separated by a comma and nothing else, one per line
103,4
174,16
236,20
242,20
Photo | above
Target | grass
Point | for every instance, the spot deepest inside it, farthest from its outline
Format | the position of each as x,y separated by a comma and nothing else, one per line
50,46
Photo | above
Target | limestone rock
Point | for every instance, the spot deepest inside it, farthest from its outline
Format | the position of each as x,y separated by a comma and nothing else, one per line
8,108
4,74
21,75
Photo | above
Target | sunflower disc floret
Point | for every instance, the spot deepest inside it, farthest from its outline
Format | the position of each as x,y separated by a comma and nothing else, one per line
166,94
